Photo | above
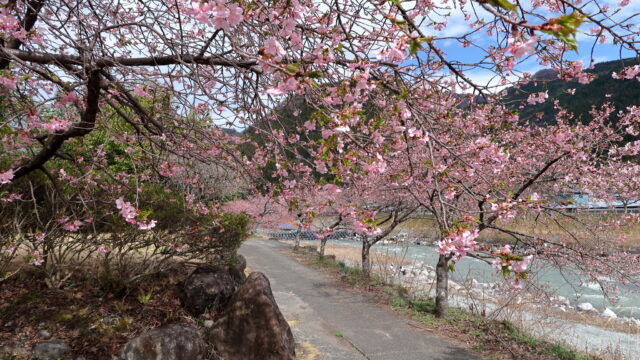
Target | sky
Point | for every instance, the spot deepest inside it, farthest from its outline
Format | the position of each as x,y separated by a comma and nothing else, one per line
602,52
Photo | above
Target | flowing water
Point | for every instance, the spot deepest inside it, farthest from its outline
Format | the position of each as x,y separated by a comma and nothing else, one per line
562,282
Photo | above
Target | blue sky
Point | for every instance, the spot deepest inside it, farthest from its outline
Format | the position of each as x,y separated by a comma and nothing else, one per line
457,26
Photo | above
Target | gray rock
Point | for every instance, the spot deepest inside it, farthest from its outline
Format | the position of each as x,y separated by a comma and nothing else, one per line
454,286
53,349
44,333
252,326
171,342
13,352
609,313
240,263
208,323
587,307
208,288
236,269
563,300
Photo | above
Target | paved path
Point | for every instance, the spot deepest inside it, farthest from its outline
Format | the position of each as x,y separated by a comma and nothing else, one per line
317,310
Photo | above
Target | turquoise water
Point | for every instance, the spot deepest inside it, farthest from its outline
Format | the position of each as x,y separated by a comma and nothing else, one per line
564,283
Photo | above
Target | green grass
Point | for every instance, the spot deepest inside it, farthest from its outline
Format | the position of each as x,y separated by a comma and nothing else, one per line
338,334
397,301
556,350
323,261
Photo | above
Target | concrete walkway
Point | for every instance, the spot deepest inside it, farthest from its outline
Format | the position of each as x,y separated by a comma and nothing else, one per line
317,311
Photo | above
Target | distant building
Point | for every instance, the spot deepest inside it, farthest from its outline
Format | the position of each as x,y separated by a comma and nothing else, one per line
581,202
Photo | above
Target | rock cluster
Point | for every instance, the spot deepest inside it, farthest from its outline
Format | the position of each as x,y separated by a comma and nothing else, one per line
249,323
252,326
208,287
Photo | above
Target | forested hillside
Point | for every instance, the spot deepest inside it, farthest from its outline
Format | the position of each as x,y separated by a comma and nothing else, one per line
621,93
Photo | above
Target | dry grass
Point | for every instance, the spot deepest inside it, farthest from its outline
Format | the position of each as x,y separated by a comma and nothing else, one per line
353,255
584,228
567,228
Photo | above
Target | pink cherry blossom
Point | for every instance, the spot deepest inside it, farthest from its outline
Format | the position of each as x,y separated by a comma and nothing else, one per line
36,258
140,91
105,248
67,98
127,210
146,225
72,225
459,243
273,47
332,188
628,73
538,98
57,125
519,47
11,197
6,176
8,83
521,266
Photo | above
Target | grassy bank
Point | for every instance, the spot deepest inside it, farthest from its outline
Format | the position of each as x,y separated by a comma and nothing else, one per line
493,339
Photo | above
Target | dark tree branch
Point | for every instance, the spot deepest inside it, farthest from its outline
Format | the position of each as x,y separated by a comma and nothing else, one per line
485,224
30,18
83,127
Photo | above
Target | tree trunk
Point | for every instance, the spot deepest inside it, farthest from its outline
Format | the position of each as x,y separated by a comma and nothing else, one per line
323,242
442,286
297,242
366,261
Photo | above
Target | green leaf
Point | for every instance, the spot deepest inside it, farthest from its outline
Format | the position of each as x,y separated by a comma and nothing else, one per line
505,271
414,46
565,28
292,68
314,74
503,4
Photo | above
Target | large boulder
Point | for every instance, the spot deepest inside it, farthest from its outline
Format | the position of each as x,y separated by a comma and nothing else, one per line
208,287
171,342
252,327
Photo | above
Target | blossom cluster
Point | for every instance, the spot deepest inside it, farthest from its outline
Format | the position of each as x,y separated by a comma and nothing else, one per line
131,215
459,243
508,263
220,14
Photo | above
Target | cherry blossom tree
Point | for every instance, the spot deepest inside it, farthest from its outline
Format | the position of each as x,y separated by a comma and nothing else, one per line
143,89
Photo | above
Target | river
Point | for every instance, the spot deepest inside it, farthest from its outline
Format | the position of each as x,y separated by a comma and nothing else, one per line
564,283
